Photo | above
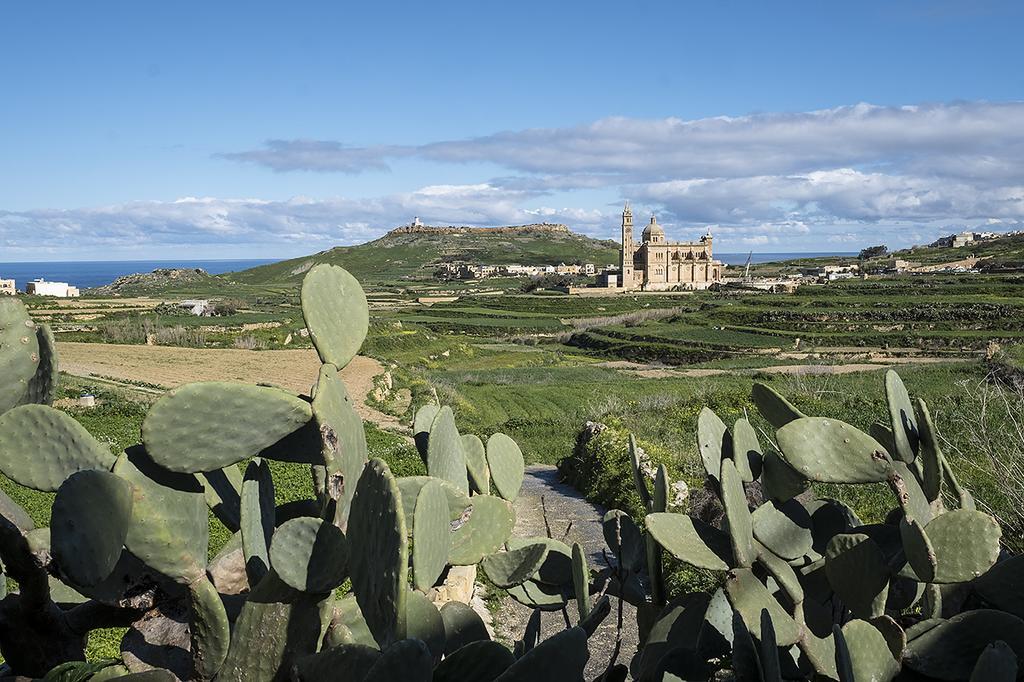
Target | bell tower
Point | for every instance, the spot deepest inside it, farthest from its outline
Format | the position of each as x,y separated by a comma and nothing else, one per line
626,255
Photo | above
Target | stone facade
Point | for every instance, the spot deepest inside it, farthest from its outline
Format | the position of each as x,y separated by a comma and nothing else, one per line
655,264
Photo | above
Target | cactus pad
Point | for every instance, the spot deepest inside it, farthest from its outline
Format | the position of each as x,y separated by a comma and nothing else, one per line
540,595
514,567
336,313
445,458
776,410
749,596
209,629
258,518
170,527
342,436
432,532
91,516
713,440
901,418
505,461
997,663
211,425
560,657
379,565
476,463
966,544
424,623
929,453
475,662
409,660
858,572
691,540
462,625
949,649
1002,586
624,539
19,352
831,451
309,555
43,384
580,581
784,528
410,487
40,447
639,477
746,451
781,481
556,569
489,525
734,499
421,424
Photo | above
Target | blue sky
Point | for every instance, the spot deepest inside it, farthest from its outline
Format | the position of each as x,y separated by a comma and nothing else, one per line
142,130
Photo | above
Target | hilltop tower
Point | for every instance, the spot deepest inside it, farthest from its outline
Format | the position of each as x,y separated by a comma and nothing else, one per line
628,249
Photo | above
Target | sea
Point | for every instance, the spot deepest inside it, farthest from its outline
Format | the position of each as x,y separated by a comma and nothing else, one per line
94,273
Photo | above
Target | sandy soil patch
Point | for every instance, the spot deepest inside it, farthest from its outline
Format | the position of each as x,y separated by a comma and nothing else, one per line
294,370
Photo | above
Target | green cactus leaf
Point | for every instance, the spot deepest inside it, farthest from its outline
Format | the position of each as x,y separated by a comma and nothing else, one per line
276,627
908,493
624,539
949,649
410,487
830,451
1002,586
343,440
43,384
409,660
781,481
336,313
462,626
19,352
258,518
918,548
91,516
997,663
829,518
514,567
659,502
746,450
581,581
379,565
905,435
883,434
14,514
691,540
745,661
639,478
424,623
749,596
713,439
480,661
776,410
858,572
210,425
930,455
784,528
966,545
505,461
489,525
543,596
556,569
445,458
40,447
170,529
781,571
432,534
309,555
223,491
354,659
209,629
678,625
422,422
560,657
349,624
476,463
737,514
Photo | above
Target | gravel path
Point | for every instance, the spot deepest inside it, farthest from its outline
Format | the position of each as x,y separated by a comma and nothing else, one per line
565,509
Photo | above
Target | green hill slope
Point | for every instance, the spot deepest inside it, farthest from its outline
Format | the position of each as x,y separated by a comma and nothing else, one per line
1002,253
414,253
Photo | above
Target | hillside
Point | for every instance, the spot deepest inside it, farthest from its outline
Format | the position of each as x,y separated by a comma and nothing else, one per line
413,252
1001,253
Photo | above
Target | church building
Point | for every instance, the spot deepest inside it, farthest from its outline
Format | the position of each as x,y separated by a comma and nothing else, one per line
655,264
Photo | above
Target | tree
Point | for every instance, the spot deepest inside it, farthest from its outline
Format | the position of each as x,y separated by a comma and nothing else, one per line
873,252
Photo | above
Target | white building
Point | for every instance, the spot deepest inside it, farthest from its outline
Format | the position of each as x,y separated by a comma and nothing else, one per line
7,287
40,287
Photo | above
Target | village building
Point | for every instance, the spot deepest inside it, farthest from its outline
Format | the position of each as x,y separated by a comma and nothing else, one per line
655,264
40,287
7,287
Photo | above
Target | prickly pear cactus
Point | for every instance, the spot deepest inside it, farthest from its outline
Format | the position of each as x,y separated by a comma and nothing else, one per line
129,539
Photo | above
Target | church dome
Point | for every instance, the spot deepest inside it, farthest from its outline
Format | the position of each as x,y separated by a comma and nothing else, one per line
653,232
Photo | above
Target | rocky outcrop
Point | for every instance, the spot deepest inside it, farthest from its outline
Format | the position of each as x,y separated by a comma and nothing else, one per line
146,281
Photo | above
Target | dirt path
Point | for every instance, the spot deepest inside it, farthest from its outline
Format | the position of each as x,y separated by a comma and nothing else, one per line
169,366
654,371
565,509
